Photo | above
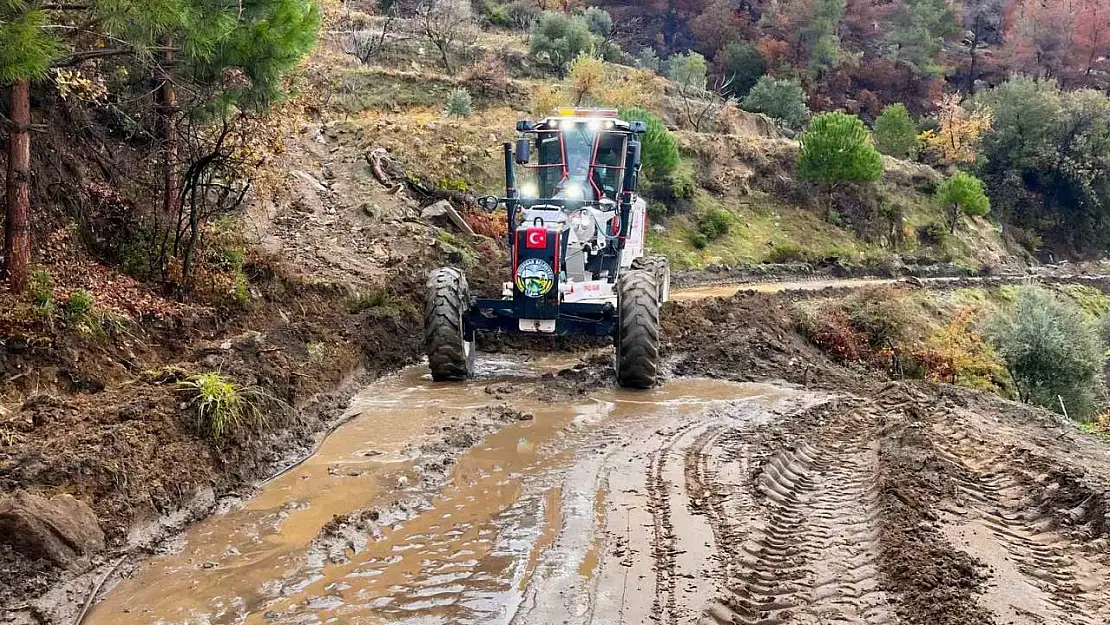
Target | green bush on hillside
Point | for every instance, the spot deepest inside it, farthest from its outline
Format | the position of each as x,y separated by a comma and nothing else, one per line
962,193
558,39
714,224
1052,349
460,103
689,70
1043,160
598,21
659,147
896,132
783,100
742,66
836,148
648,60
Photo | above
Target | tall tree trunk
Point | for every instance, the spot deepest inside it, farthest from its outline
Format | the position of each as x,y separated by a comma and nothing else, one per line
171,179
167,109
17,236
974,58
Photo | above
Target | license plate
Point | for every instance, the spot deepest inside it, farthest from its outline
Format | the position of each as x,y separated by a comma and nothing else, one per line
537,325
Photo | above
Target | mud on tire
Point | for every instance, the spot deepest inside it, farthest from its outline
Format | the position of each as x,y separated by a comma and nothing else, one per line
450,351
659,267
637,329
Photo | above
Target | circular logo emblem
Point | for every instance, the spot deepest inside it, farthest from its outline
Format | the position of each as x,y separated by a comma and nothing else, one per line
535,278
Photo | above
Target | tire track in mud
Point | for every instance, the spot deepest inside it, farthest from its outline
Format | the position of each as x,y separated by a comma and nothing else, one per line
799,541
664,544
1039,573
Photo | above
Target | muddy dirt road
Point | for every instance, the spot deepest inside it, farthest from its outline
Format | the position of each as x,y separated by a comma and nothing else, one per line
537,494
567,507
522,498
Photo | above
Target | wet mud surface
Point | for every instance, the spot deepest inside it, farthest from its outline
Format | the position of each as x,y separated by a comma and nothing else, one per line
538,493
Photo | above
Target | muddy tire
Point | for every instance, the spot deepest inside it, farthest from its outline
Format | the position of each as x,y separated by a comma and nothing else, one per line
450,351
659,267
637,329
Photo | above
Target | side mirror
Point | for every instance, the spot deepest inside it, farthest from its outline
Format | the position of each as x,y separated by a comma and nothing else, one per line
637,127
524,125
523,151
489,203
635,149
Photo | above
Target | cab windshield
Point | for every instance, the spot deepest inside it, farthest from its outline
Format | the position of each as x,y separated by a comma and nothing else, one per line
580,159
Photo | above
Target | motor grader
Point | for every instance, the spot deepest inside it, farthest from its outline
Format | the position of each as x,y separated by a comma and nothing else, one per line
576,237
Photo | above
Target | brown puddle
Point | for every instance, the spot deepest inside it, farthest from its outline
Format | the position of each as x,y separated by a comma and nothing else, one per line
706,292
522,505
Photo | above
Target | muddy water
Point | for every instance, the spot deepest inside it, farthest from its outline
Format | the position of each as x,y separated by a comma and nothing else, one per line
728,290
517,534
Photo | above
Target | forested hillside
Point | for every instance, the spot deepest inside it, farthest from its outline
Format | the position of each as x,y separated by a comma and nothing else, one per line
868,53
1012,91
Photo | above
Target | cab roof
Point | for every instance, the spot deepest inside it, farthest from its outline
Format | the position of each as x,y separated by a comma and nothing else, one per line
607,118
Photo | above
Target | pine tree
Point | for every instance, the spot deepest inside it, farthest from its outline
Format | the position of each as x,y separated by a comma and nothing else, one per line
821,35
896,132
836,148
920,27
26,52
962,193
193,40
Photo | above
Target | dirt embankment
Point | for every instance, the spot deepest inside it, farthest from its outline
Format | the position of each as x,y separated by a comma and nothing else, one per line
747,337
104,419
907,502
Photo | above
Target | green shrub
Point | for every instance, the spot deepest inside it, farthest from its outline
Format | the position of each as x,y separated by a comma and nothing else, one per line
681,182
1053,351
78,306
648,60
962,193
598,21
497,14
742,66
657,211
880,316
689,70
714,224
40,289
896,132
1045,154
783,100
660,149
932,233
223,406
557,39
1027,238
375,298
459,103
836,148
782,253
699,240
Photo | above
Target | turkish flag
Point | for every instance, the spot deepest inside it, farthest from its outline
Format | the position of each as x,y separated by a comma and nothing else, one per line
535,239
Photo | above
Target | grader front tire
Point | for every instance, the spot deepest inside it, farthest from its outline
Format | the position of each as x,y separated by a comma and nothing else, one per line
450,351
637,338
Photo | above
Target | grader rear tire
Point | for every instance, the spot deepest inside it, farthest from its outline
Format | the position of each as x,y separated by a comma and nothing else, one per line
637,330
450,351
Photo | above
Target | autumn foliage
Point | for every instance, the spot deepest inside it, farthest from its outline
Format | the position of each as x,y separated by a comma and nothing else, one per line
961,131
